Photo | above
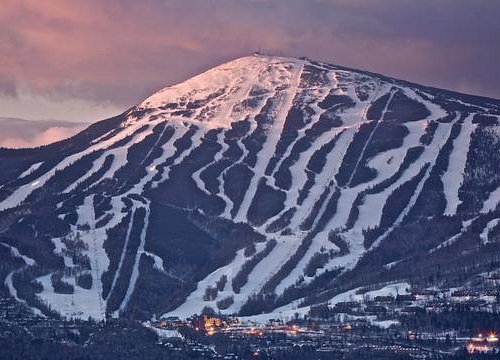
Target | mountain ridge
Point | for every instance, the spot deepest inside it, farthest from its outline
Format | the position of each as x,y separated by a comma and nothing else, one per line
265,184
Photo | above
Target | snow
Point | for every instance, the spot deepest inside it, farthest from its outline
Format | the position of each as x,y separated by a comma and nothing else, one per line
437,112
312,96
95,237
80,304
430,154
196,141
390,265
492,202
298,175
345,201
123,254
355,115
233,80
15,252
96,165
31,169
218,156
288,312
21,193
195,303
286,246
485,233
84,303
384,324
454,238
135,269
220,97
283,106
13,292
8,279
164,333
318,243
454,175
158,261
59,250
370,212
362,154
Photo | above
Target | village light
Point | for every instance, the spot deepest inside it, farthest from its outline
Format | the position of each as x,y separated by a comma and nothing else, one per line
482,344
472,348
492,337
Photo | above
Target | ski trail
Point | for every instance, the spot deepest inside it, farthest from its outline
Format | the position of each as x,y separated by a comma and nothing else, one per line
270,144
417,192
454,175
96,271
135,269
124,252
367,142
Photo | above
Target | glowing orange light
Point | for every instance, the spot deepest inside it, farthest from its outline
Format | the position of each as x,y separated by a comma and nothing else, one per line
347,327
492,337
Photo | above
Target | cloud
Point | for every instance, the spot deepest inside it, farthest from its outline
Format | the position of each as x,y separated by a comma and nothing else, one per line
119,52
17,133
29,105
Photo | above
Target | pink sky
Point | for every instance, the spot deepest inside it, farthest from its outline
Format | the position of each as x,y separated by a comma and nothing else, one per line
83,60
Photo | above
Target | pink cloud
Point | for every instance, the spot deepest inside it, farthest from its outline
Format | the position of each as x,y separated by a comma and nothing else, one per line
44,138
18,133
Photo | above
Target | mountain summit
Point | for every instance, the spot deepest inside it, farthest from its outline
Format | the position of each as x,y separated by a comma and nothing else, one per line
264,185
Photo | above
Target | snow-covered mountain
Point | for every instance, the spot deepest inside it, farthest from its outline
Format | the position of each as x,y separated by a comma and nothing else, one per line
264,185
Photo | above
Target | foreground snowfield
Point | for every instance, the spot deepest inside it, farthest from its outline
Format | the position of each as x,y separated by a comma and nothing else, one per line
324,153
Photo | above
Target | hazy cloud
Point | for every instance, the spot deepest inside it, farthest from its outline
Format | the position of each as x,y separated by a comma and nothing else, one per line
17,133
